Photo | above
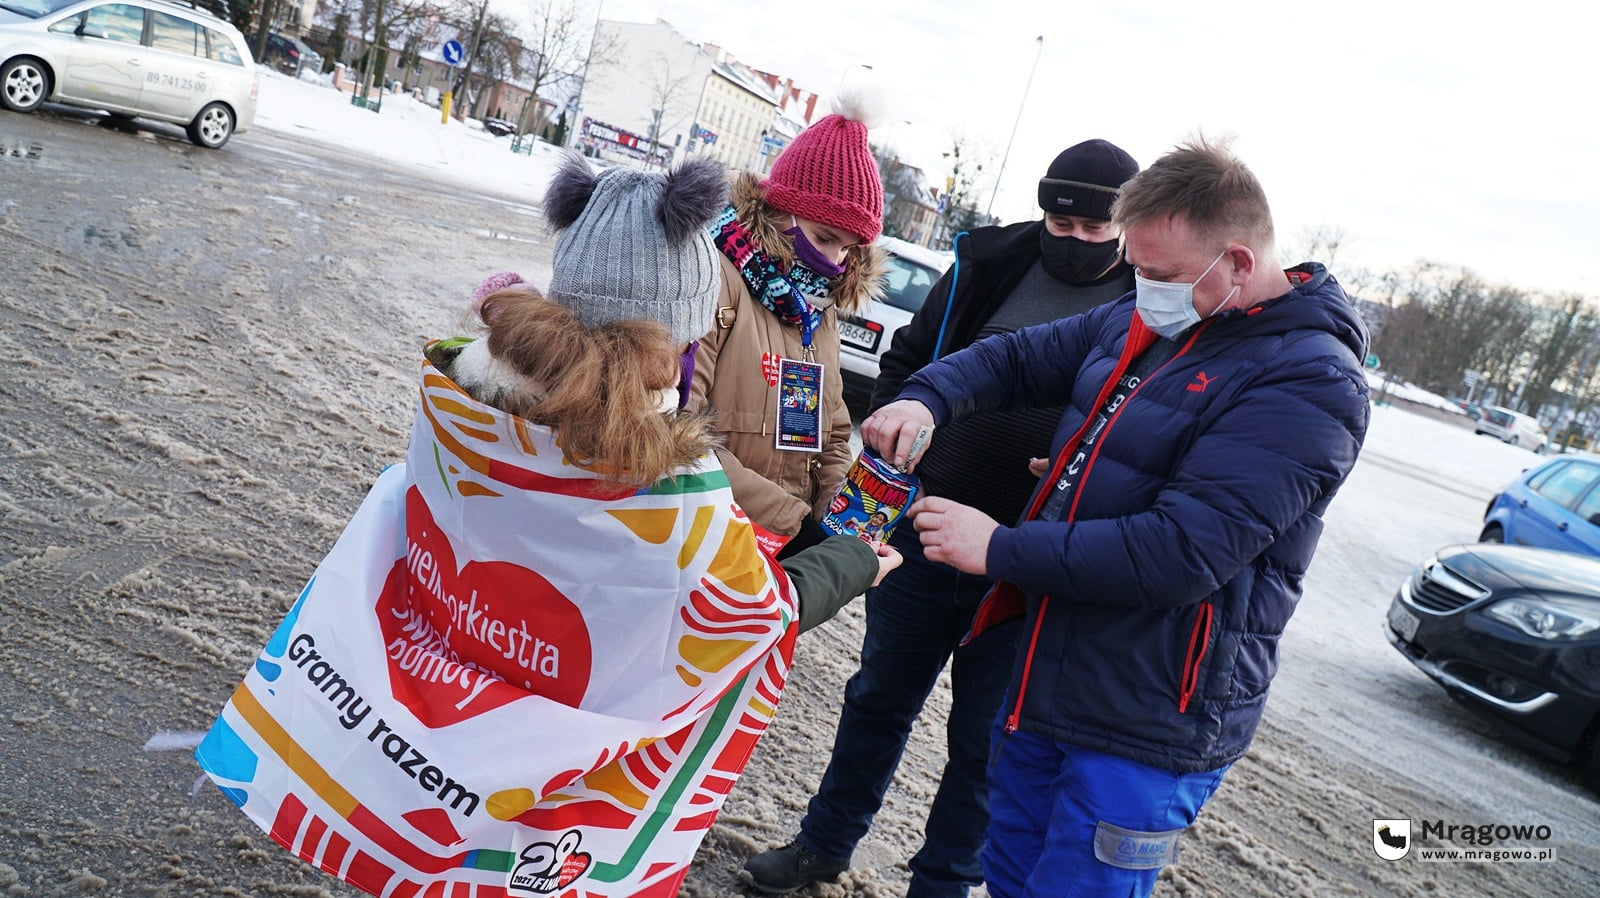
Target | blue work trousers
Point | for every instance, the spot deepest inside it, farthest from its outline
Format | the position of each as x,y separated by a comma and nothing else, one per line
1070,822
915,622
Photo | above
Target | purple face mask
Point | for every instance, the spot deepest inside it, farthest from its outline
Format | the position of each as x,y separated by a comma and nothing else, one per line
686,372
810,256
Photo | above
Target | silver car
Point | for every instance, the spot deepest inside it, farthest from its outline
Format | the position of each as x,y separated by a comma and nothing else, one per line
169,61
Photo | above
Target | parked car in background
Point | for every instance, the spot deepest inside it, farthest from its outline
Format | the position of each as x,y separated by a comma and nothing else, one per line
290,56
1555,505
863,338
173,62
1513,633
1470,409
1513,427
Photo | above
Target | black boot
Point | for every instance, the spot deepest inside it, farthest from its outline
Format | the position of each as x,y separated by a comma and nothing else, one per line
788,868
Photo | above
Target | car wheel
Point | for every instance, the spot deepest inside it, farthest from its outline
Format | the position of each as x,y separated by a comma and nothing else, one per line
212,127
24,83
1492,534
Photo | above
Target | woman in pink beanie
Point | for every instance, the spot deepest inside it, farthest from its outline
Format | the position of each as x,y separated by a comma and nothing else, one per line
797,252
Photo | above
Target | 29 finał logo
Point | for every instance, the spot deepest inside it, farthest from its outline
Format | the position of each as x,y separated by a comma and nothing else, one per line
1391,838
544,869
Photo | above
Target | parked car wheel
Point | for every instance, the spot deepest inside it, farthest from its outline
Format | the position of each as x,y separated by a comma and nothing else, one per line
212,127
24,83
1492,534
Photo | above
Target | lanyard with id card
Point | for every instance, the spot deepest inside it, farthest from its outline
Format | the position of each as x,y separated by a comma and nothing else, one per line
799,405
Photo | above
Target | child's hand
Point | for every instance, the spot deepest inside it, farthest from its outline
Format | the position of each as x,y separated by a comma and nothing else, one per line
889,558
1038,466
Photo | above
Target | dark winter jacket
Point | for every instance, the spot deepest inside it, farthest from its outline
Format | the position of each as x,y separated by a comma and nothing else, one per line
1156,604
983,462
990,262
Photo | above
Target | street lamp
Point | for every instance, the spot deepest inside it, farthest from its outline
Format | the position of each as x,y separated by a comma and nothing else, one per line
1038,50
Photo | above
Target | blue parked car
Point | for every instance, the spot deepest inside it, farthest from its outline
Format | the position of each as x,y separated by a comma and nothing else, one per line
1553,506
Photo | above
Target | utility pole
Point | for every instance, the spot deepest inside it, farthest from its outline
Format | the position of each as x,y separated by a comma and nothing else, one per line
1038,51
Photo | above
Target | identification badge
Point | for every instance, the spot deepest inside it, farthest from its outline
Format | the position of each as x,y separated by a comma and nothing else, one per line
799,406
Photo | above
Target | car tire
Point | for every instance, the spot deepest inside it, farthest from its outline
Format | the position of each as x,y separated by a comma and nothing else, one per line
212,127
24,84
1492,534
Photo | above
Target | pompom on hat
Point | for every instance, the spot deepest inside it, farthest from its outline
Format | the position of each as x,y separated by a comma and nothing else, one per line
827,174
1085,179
635,246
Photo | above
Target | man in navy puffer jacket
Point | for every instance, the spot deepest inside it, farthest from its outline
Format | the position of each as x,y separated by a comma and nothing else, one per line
1210,419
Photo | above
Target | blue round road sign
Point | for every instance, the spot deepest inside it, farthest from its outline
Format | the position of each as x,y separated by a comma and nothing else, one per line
452,52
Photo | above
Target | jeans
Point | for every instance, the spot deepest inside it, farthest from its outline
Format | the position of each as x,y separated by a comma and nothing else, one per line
1053,802
915,621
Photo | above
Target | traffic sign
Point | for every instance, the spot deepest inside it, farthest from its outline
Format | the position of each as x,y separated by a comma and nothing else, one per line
452,53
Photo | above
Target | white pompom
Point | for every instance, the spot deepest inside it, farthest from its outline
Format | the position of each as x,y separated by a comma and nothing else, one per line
861,98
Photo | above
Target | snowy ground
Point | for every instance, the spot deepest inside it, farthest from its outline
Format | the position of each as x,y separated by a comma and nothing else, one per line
202,381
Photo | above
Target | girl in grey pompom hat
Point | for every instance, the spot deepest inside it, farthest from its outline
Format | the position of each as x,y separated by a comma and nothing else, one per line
600,355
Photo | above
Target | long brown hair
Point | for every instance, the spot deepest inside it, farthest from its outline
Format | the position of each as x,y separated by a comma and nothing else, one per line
601,386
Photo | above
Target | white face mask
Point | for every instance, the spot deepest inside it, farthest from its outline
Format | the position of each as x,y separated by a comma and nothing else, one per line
1168,308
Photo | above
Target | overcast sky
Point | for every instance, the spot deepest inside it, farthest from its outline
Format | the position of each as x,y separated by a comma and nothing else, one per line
1460,133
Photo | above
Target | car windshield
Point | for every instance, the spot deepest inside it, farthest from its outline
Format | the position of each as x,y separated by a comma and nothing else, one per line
906,284
35,9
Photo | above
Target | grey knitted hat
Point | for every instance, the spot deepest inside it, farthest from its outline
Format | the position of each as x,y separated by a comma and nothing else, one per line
634,245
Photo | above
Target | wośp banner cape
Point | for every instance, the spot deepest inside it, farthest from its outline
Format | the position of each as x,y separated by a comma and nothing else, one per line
510,677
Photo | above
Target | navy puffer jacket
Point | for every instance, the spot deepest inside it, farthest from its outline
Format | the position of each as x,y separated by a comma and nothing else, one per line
1156,605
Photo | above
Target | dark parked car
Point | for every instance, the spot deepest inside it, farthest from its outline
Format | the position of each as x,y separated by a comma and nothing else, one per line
1555,505
290,56
1513,633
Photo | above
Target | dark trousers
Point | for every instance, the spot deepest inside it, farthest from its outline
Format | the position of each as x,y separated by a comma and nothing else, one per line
915,621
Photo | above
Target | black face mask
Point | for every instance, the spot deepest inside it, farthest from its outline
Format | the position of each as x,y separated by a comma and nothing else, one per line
1074,261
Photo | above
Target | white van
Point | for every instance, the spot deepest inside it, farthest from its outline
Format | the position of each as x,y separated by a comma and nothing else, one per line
1513,427
168,60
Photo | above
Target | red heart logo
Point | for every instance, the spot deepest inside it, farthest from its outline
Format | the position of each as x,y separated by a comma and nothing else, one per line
446,627
769,368
572,868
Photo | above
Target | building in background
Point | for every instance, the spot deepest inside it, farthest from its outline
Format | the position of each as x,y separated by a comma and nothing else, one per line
643,90
736,113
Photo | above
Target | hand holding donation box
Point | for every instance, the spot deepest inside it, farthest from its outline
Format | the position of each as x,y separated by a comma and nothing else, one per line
872,500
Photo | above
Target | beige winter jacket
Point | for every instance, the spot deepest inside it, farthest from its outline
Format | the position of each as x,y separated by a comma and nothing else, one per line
777,488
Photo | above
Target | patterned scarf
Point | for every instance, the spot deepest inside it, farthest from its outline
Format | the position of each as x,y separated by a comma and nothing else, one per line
782,292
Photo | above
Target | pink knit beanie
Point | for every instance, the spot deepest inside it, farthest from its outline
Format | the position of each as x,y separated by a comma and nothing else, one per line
827,174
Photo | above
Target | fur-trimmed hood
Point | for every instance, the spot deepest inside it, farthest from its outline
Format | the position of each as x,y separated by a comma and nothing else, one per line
865,266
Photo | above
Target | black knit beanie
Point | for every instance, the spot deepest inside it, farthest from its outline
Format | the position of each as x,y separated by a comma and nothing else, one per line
1085,178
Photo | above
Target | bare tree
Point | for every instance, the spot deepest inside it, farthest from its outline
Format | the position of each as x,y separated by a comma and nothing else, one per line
562,44
960,209
380,20
664,84
493,53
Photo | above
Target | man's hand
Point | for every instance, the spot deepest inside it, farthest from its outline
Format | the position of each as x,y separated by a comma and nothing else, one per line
892,431
955,534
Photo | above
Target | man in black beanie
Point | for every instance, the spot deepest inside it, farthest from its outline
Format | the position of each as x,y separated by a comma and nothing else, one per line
1004,279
